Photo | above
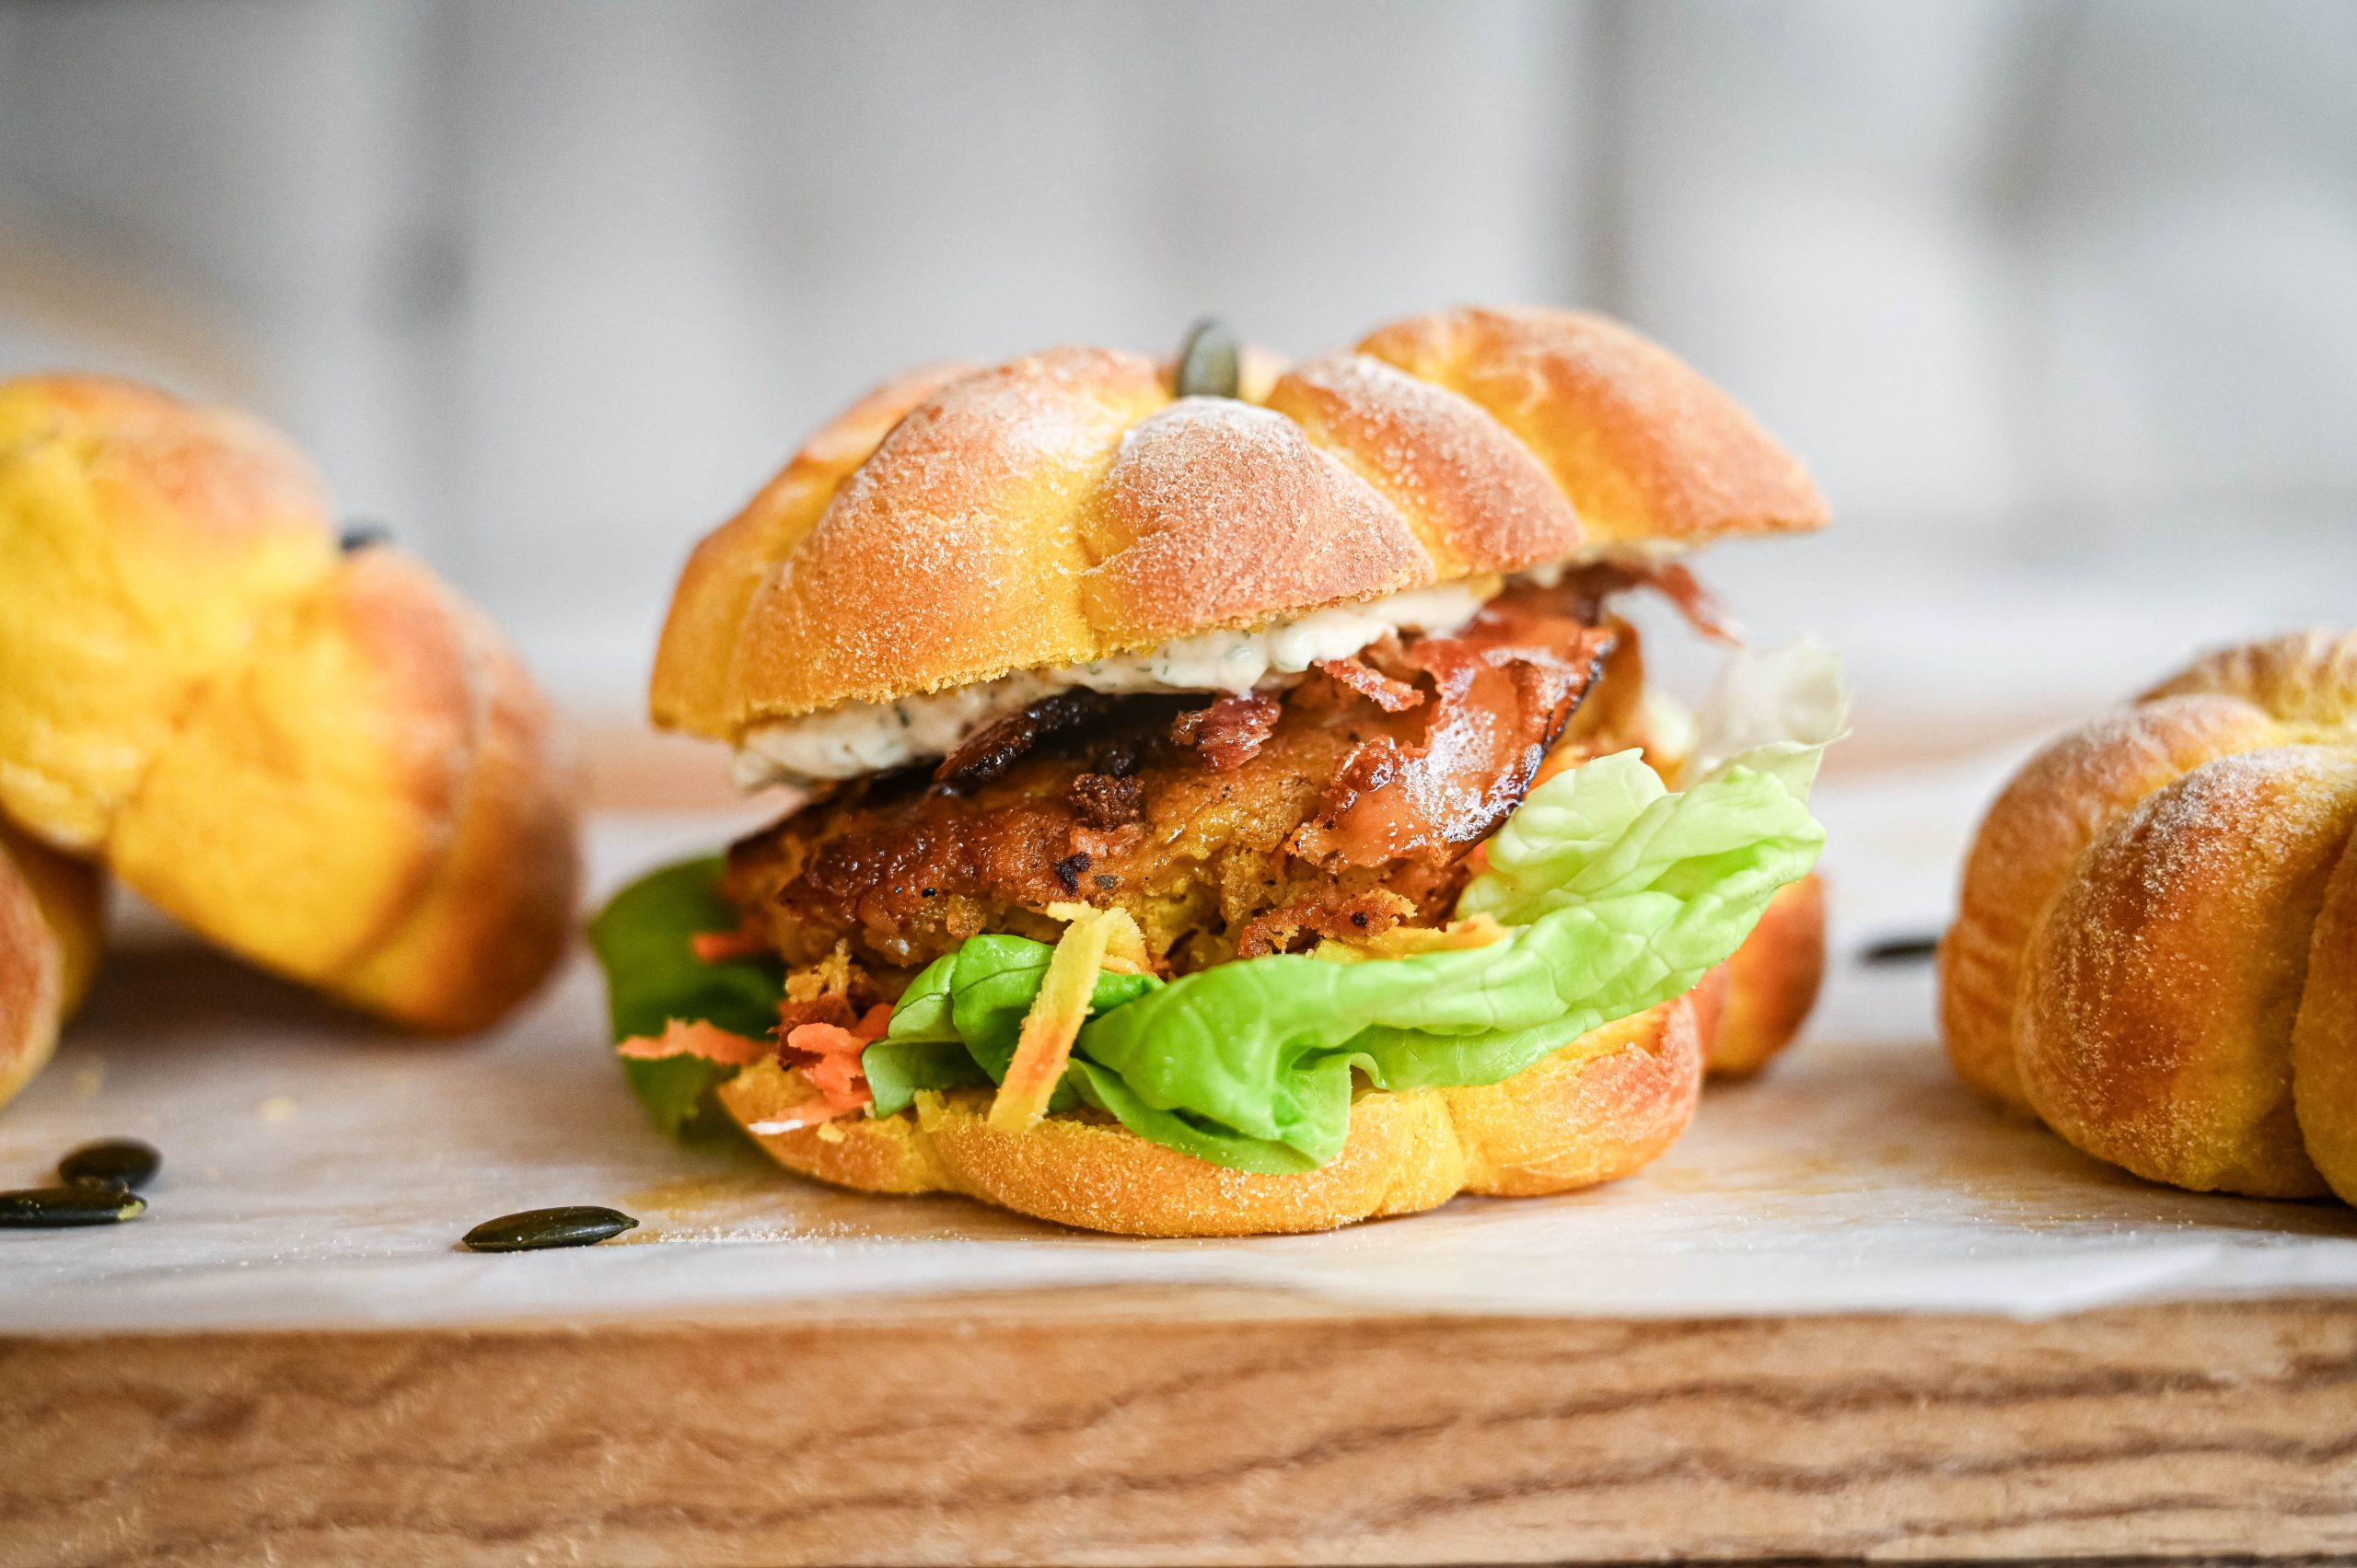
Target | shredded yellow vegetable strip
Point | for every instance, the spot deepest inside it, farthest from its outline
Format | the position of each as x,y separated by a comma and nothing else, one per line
1096,939
1407,941
1124,943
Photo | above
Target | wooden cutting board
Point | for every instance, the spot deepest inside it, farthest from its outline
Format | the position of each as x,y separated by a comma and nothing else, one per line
1192,1426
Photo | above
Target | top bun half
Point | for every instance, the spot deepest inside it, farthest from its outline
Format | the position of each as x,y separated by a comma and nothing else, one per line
959,524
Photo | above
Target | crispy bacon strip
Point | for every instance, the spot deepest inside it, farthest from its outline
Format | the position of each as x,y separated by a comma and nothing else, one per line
1227,733
1391,696
1503,689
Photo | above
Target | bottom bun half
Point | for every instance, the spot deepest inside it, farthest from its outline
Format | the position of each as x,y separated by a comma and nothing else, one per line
1599,1108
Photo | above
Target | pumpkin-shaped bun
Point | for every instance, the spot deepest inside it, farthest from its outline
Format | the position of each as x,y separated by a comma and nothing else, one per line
959,525
53,912
324,761
2153,950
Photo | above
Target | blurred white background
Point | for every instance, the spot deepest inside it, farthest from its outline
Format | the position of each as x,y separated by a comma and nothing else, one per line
2059,298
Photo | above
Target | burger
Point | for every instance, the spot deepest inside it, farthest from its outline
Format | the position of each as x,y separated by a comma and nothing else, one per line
1222,798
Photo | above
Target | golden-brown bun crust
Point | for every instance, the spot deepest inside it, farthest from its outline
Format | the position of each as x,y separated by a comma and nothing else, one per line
497,908
1062,507
2305,681
2066,796
2152,953
416,853
1753,1006
53,912
729,566
325,762
1607,1106
1476,499
1599,1110
952,554
2161,988
1650,452
1213,510
2324,1038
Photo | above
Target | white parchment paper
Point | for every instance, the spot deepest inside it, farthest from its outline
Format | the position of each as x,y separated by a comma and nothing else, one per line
318,1172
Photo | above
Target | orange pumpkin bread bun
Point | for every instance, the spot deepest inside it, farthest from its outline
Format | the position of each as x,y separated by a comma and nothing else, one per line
323,759
2152,952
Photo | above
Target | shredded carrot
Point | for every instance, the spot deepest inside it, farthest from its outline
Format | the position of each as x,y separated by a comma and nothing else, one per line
839,1079
836,1073
833,1040
823,1040
682,1038
1059,1010
815,1111
840,1086
717,946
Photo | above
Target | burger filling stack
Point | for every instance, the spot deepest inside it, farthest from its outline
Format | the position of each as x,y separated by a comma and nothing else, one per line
1223,799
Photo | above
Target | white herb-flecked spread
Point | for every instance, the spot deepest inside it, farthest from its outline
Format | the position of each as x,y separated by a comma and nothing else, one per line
866,737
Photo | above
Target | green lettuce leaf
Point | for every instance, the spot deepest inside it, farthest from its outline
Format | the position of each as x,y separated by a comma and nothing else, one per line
677,1091
643,941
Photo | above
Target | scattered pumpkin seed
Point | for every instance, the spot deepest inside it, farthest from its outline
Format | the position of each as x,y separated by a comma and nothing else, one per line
122,1162
1210,363
52,1207
579,1225
1901,950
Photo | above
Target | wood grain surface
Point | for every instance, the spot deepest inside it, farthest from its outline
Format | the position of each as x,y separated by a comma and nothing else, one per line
1166,1428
